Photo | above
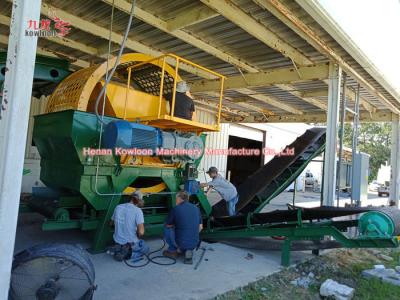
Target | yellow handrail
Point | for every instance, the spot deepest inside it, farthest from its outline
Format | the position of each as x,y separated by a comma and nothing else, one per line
127,91
161,88
174,89
177,61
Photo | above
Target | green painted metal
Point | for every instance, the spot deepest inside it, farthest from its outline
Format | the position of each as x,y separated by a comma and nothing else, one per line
376,224
95,191
308,231
61,138
46,68
286,181
205,204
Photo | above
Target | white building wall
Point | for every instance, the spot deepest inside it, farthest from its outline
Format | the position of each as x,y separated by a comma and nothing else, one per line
214,140
247,132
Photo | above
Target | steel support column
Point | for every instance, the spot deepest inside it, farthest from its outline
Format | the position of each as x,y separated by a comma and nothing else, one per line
13,127
395,161
354,144
329,188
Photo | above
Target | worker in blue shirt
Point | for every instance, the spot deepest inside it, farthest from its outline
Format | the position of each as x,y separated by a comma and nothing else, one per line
226,189
182,228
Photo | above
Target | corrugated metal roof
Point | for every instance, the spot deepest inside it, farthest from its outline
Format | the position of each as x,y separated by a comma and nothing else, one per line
218,32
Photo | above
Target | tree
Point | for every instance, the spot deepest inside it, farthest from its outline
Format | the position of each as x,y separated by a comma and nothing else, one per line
373,139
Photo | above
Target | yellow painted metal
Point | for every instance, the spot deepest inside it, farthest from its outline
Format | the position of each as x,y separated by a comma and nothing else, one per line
132,104
153,189
79,91
161,88
169,120
76,90
135,100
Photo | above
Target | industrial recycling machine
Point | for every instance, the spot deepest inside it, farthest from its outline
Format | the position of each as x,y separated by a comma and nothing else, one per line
88,165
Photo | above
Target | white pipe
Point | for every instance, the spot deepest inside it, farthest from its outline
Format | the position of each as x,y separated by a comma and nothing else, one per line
13,127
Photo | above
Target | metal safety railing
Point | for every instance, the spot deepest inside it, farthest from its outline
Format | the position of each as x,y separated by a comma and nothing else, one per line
165,62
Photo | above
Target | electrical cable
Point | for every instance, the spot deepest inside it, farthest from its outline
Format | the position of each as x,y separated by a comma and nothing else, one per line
128,27
151,259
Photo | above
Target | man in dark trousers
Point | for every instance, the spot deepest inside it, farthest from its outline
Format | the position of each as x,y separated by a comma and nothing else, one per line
182,228
226,189
184,105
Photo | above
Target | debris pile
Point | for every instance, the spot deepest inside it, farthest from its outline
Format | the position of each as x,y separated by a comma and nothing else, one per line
386,275
331,288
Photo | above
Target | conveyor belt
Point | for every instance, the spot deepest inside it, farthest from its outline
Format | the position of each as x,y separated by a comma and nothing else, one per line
282,216
275,176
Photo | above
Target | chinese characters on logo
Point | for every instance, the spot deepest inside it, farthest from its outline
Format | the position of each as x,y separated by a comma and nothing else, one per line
48,27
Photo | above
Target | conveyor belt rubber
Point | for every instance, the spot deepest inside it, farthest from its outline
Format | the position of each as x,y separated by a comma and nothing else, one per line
394,214
281,216
275,176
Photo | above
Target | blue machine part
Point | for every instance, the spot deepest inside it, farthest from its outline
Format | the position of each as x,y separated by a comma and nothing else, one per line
127,135
192,186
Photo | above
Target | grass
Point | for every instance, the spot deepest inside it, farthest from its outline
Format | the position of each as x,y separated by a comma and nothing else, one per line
344,266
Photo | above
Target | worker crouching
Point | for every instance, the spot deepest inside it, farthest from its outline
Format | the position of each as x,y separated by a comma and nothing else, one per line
129,227
182,228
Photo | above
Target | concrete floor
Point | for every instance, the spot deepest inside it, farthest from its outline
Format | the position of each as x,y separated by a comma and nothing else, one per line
223,268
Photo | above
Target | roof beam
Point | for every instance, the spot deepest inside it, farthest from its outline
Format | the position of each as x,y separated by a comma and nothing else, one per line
367,106
272,77
102,32
270,100
189,38
349,93
191,16
314,93
281,12
379,116
5,20
245,105
44,51
311,100
256,29
224,108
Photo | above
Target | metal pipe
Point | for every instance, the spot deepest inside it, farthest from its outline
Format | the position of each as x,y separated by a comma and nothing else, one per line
356,120
128,88
322,181
294,192
174,88
161,88
353,112
220,101
341,135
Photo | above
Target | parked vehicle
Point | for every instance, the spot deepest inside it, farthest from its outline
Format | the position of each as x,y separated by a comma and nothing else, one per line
310,180
374,185
383,190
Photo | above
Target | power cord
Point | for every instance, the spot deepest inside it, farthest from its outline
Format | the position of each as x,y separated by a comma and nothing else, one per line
151,259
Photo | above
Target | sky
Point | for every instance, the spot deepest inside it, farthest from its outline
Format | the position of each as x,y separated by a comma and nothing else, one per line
374,25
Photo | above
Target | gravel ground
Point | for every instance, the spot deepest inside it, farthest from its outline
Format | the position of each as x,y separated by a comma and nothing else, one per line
302,282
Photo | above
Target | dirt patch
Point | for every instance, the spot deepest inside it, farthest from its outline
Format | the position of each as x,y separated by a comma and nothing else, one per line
302,282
